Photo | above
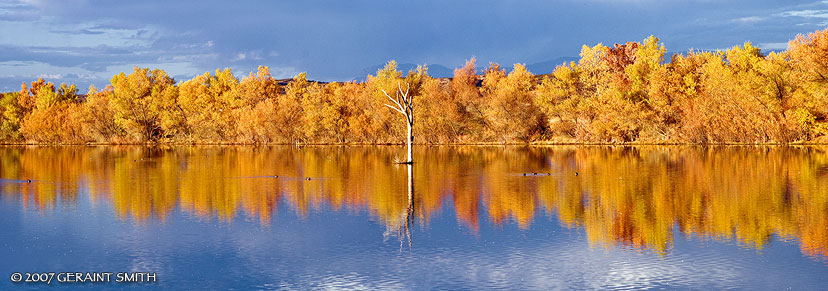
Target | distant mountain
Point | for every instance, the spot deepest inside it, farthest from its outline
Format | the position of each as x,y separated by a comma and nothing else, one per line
539,68
440,71
778,51
548,67
434,70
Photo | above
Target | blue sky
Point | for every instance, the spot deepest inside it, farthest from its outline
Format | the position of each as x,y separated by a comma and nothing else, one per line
88,41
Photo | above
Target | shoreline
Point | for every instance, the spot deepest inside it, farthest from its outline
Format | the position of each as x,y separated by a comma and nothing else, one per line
481,144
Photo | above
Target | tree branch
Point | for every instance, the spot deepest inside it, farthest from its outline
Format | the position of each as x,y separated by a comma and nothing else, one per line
396,109
392,99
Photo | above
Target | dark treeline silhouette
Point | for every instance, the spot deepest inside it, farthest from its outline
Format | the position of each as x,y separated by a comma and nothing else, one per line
624,93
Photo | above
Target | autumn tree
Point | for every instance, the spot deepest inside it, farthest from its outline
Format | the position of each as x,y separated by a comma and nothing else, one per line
808,56
464,90
348,99
327,111
674,96
605,96
622,111
28,95
438,114
99,116
558,97
255,111
146,104
761,92
19,105
207,102
289,109
648,59
56,116
571,97
381,127
510,109
11,114
60,123
258,87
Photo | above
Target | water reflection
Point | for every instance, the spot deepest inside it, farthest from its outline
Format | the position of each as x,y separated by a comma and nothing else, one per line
621,196
404,223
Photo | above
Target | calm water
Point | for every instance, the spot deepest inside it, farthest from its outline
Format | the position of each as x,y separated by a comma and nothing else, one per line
460,218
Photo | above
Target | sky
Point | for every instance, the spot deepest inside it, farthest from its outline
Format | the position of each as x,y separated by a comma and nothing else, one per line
88,41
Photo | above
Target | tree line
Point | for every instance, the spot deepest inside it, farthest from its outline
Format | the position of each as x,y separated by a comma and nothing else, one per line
619,94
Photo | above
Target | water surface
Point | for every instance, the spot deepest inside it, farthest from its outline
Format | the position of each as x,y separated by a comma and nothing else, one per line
459,218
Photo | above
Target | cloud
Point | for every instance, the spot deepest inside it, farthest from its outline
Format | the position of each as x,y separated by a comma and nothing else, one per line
335,40
774,46
749,19
78,31
811,13
17,11
806,13
98,56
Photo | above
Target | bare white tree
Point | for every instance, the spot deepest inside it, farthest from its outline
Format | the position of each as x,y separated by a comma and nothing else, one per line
404,104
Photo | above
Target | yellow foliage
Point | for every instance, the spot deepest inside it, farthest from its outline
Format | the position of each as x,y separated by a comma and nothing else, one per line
145,104
206,102
60,123
99,117
510,109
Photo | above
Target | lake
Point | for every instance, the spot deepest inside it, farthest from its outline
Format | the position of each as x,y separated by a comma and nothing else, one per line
513,217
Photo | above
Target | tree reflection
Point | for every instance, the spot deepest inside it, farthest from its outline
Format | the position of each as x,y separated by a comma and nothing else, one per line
403,224
630,196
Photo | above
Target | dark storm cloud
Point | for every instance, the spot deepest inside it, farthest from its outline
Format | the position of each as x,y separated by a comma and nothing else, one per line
337,40
17,11
95,59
